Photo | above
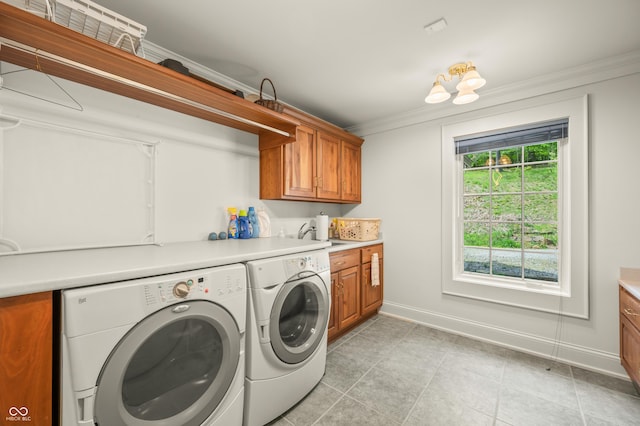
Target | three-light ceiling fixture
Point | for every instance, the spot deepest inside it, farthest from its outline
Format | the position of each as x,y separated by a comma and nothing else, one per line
470,80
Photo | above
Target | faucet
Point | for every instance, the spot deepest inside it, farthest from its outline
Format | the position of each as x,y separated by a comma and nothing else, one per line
302,233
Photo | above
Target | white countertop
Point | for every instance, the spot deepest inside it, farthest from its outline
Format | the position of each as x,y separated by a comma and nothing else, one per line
339,245
37,272
630,280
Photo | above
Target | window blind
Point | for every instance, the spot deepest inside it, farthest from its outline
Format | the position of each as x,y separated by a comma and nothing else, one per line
513,136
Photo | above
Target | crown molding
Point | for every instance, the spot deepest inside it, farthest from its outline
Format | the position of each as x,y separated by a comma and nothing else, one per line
570,78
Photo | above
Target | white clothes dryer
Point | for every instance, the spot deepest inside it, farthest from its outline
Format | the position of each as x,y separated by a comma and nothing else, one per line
288,309
166,350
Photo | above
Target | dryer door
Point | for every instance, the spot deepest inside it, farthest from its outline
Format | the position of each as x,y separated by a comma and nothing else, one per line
299,318
172,368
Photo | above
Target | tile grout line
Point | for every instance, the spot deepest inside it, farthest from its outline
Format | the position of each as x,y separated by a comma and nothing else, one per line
344,394
424,389
575,389
497,409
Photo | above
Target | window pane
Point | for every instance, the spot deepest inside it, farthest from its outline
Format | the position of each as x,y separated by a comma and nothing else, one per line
541,207
476,207
540,236
506,235
476,234
506,263
507,179
507,207
510,207
541,177
542,152
476,159
476,260
476,181
541,265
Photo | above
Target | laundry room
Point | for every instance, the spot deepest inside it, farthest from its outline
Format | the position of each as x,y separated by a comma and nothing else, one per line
447,237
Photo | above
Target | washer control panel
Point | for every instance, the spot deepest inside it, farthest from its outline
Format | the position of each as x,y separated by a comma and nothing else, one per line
216,284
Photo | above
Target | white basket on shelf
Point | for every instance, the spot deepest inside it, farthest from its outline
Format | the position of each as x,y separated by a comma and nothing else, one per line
90,19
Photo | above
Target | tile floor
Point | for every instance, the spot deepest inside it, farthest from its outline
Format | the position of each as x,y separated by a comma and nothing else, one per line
393,372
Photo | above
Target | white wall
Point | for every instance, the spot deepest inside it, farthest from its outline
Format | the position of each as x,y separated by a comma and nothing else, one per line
407,197
200,168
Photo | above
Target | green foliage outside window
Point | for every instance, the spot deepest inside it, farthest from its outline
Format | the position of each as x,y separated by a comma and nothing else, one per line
510,203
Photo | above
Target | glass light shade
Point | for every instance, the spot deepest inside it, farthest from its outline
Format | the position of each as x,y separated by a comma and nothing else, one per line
437,94
471,81
465,96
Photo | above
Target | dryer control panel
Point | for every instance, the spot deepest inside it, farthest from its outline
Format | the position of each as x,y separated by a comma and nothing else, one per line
313,262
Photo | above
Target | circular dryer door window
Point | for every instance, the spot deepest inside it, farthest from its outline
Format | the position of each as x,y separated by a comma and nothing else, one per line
174,367
299,318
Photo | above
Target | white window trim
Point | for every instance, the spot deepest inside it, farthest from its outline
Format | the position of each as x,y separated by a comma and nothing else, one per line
573,298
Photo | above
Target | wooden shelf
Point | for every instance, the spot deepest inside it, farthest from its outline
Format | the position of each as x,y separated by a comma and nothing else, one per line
36,43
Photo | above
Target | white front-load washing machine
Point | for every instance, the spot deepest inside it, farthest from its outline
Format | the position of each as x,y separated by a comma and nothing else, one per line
166,350
288,310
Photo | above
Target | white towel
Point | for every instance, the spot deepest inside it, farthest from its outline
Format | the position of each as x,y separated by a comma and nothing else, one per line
375,270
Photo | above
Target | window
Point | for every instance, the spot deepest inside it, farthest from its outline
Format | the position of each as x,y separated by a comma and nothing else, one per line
509,222
514,208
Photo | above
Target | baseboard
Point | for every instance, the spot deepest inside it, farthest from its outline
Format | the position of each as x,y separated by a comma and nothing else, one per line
590,359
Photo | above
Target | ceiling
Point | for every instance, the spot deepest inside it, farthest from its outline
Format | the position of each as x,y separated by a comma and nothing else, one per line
356,61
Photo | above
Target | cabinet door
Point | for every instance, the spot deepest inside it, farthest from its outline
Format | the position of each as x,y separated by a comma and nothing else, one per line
371,296
329,167
351,169
332,326
630,348
300,164
349,284
26,363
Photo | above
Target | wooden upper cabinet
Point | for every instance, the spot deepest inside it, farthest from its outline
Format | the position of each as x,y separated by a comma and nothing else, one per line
329,166
322,163
300,164
351,169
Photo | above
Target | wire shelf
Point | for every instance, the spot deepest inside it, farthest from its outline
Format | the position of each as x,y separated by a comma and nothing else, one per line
90,19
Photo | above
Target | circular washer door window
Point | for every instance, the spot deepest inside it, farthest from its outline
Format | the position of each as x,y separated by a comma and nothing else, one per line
174,367
299,318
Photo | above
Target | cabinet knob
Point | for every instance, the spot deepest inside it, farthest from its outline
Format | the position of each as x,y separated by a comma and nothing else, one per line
630,312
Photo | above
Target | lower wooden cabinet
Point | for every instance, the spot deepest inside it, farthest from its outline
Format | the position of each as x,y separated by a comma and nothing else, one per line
345,290
353,297
26,359
371,298
630,335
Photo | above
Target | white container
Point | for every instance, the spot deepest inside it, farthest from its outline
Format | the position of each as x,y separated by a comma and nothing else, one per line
264,223
322,227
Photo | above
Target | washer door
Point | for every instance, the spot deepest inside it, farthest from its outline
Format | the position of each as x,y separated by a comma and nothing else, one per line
299,318
174,367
